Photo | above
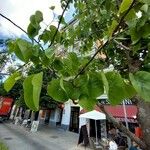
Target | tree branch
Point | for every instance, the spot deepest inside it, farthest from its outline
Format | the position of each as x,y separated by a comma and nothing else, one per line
20,29
4,74
3,52
108,41
121,126
122,18
121,45
53,39
87,64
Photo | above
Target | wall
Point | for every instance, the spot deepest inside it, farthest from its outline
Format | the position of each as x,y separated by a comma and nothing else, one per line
66,114
55,116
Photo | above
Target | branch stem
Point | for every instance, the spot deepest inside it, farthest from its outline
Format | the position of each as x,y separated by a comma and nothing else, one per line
108,41
53,39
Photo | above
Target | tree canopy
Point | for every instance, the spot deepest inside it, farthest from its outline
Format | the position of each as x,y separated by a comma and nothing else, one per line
103,33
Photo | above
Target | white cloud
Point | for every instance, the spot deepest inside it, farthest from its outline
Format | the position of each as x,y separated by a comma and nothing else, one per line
20,11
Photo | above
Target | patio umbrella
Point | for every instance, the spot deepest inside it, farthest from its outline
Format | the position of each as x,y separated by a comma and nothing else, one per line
95,115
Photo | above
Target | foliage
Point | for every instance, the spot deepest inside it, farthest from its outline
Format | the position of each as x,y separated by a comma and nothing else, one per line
14,93
104,33
3,54
10,82
3,146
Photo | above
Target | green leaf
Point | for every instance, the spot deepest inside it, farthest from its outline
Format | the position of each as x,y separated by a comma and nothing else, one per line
70,64
34,25
25,49
112,27
49,52
45,60
11,46
117,90
28,92
95,85
62,84
56,92
72,91
32,31
82,82
32,88
33,21
145,1
90,84
36,51
87,103
141,83
11,80
37,86
62,20
53,30
38,16
57,64
74,60
129,90
131,16
105,82
125,5
145,8
145,30
52,7
135,36
45,36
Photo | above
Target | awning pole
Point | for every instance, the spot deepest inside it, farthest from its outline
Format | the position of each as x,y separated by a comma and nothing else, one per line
126,121
96,133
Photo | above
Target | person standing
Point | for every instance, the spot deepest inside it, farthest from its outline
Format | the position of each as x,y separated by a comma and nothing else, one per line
134,146
112,145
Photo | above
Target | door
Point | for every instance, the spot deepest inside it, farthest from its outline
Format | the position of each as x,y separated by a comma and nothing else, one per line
93,130
74,119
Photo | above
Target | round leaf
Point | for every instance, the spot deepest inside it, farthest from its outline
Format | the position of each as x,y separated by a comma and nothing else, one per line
141,83
56,92
11,80
87,103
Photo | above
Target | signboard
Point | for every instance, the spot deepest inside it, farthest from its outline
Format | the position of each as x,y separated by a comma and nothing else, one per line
5,105
106,101
34,126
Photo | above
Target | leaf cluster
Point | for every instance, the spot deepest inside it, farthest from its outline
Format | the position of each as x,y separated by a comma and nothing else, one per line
103,33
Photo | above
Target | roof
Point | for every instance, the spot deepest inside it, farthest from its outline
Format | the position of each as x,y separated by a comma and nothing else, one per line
96,115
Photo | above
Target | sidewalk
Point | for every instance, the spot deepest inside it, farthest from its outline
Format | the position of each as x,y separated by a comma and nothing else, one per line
67,140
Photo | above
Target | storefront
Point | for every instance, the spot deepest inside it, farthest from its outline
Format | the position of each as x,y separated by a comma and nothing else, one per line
117,112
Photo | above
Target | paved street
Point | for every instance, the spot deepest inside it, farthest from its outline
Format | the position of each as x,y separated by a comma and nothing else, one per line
18,138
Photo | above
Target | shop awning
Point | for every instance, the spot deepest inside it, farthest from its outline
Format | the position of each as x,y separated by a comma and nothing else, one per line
118,112
96,115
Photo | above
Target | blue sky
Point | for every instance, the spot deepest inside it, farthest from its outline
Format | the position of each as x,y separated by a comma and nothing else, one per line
20,11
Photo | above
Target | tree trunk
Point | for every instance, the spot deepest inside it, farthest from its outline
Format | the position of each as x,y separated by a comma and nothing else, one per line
144,120
36,115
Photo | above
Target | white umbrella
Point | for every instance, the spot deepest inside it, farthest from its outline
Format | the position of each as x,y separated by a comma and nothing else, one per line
95,115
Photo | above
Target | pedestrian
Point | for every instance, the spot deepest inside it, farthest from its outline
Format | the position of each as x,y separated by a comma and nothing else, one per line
112,145
120,142
134,146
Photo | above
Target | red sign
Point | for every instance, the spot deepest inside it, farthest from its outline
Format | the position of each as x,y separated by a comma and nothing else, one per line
5,105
